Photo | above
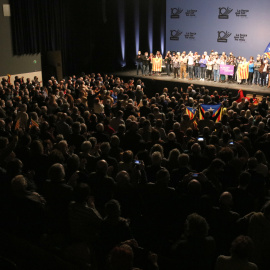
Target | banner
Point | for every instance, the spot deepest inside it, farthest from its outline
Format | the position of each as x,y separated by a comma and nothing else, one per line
226,70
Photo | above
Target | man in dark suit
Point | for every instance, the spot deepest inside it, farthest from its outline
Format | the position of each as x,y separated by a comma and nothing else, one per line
139,60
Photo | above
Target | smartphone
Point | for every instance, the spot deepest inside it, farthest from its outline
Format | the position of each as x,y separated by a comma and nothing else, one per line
231,143
195,175
200,139
137,162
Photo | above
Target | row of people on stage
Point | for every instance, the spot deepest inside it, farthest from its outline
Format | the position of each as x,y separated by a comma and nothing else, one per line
149,64
207,67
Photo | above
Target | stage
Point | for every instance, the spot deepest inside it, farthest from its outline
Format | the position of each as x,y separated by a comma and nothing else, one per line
156,83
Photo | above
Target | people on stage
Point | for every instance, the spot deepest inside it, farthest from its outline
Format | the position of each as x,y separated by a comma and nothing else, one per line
157,63
151,63
146,63
202,62
212,67
250,70
168,63
209,68
265,70
183,66
257,65
196,66
216,67
176,65
139,61
190,65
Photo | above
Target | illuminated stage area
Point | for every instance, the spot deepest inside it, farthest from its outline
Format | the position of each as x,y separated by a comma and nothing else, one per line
157,82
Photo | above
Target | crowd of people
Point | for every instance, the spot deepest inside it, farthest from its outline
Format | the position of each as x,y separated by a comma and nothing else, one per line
193,66
114,179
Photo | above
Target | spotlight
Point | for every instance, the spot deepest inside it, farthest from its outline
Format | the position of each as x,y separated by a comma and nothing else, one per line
121,16
150,26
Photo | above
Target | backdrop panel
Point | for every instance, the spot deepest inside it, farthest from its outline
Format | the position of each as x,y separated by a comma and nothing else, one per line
238,26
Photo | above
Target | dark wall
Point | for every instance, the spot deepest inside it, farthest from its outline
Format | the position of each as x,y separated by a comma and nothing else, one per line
11,64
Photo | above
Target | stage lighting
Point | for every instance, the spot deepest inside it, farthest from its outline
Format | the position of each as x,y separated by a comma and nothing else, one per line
137,26
121,12
150,26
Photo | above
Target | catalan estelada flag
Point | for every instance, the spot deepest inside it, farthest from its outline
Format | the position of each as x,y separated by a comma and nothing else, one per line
33,123
267,50
215,110
191,112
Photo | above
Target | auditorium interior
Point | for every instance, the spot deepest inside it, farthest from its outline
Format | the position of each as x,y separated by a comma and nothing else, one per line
134,134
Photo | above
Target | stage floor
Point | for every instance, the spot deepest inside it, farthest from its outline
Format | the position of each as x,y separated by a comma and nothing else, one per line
248,89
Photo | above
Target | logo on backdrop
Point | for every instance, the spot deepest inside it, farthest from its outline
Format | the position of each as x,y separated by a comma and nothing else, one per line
224,12
241,13
223,36
240,37
191,12
175,34
175,13
190,35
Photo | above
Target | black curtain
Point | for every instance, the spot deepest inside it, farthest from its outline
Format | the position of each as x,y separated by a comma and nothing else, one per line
38,25
86,31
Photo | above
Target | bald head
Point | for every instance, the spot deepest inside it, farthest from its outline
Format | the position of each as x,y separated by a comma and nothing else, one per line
196,148
226,200
194,187
102,166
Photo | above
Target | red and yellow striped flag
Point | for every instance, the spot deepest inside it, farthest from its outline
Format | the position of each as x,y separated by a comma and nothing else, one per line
33,123
242,71
157,64
18,123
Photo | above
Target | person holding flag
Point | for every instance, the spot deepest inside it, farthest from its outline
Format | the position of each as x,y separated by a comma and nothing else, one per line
208,114
267,53
22,118
9,76
157,63
33,123
242,70
192,113
17,124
